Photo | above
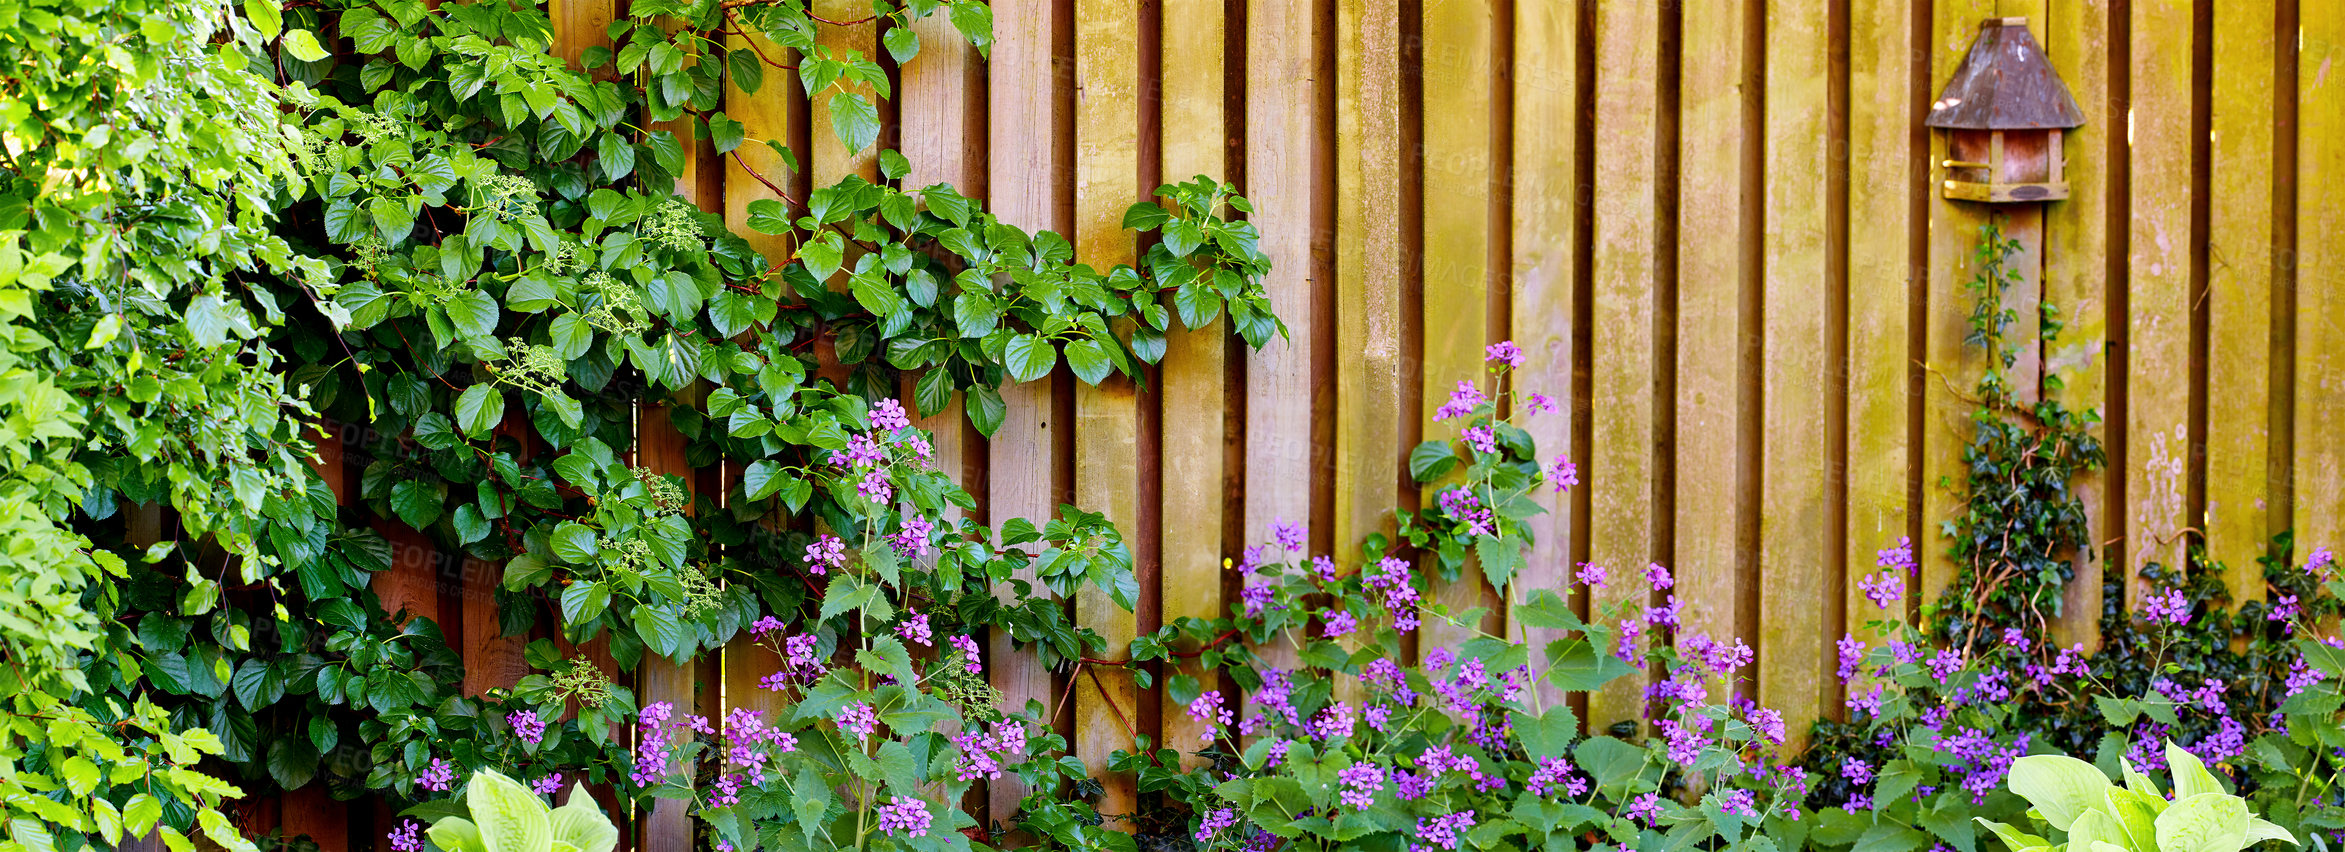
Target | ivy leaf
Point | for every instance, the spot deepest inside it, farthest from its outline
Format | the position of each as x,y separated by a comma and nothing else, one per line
583,601
1029,357
392,218
474,314
480,409
821,256
763,479
662,631
725,133
854,120
747,70
933,391
767,216
892,164
902,43
615,155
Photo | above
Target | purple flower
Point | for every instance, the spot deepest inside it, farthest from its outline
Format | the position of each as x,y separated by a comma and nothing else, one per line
2172,606
2302,677
1555,773
767,624
858,719
405,838
1214,822
1664,615
1481,438
1868,703
1503,352
874,487
1945,664
1739,802
888,414
1462,401
1538,403
1361,781
1645,809
1852,655
904,815
1334,722
1592,575
1659,577
437,777
528,727
548,785
2320,563
968,648
1445,831
1856,771
1340,624
2284,608
1290,537
916,630
912,539
1900,556
1883,589
1208,708
827,552
1324,568
1563,473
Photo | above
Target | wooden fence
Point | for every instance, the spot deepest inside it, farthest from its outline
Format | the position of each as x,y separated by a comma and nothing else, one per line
1713,228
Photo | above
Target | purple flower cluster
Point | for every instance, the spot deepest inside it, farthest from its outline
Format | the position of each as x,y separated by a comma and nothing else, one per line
1340,623
1718,657
1208,708
2321,563
858,719
548,785
1361,782
437,777
916,630
1461,504
1445,831
652,745
984,754
1882,589
2285,609
827,552
1659,577
1740,803
1481,438
1538,403
1462,401
1645,809
888,415
1214,822
911,539
970,661
1276,700
1290,537
1555,773
1563,473
2170,606
904,815
1593,576
801,662
1983,761
1335,722
528,727
1392,576
407,837
1503,352
2302,677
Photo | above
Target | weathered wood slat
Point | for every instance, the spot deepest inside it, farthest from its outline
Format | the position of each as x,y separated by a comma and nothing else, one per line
1714,570
1107,416
2239,298
1458,88
1620,474
1954,367
2076,281
2320,280
2158,393
1191,380
939,101
1794,652
1881,188
1023,128
1545,231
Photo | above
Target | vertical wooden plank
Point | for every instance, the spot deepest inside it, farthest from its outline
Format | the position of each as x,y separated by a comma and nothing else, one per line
2157,427
1794,653
1880,190
1712,83
491,660
1546,215
1107,416
1620,533
2320,279
660,449
831,161
1368,269
1191,379
1954,367
580,24
936,106
1457,247
1023,126
1279,104
2076,239
2239,298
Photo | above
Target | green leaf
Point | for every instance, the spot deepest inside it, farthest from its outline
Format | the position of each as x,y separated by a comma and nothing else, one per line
2060,787
1548,735
480,409
1431,460
855,120
303,45
575,543
1088,360
417,502
510,817
581,602
581,823
267,18
2191,777
1029,357
1890,837
902,43
985,407
2207,822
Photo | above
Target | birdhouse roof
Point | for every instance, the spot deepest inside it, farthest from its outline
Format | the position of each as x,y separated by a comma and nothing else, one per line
2005,83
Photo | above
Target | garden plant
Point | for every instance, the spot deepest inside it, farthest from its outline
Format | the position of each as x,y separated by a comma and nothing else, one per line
233,234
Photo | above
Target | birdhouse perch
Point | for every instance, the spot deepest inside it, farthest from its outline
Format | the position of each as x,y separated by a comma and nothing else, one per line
2004,114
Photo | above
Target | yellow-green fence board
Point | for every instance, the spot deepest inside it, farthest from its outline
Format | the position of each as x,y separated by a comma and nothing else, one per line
2239,297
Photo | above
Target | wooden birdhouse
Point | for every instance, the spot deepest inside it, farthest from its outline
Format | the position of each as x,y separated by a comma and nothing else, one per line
2003,115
